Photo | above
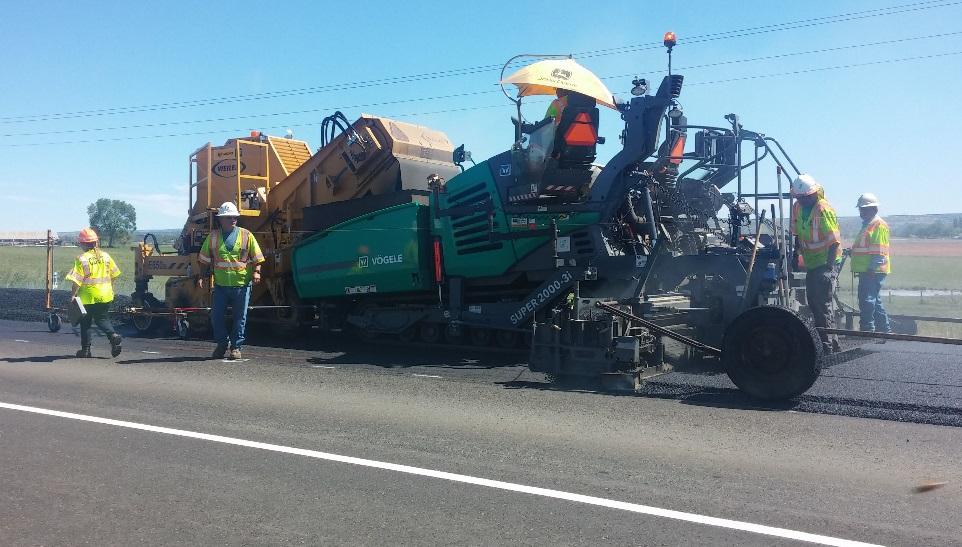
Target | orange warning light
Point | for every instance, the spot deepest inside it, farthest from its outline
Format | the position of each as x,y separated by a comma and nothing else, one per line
670,39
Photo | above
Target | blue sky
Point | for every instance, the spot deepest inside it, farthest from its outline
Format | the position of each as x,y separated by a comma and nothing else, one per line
890,127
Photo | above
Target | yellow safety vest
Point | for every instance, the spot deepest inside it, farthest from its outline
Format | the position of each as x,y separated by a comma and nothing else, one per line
817,230
870,253
232,267
556,107
94,271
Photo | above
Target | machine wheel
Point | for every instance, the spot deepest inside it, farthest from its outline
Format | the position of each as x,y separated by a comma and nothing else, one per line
54,322
454,334
143,321
430,333
770,353
183,328
507,338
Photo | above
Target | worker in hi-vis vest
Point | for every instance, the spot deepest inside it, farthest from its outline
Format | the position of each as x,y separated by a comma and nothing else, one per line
92,276
558,105
819,242
871,263
234,258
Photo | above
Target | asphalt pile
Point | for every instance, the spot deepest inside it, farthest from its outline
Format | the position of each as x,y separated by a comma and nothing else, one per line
28,304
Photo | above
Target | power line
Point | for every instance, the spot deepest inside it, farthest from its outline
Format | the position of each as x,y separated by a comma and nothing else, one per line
459,95
737,33
797,53
836,67
310,124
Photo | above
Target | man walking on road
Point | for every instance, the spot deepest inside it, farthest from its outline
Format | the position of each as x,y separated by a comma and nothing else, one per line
818,240
871,263
92,276
234,257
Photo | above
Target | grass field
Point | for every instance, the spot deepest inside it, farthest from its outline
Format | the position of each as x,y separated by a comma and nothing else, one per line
917,264
922,264
25,268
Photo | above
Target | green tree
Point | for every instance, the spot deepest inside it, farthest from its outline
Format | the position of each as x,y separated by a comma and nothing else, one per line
113,219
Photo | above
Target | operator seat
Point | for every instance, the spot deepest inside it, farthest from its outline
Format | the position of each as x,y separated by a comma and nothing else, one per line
576,138
560,164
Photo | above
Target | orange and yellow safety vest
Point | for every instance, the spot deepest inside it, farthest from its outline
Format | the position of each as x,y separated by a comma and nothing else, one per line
555,109
870,253
817,230
232,267
94,272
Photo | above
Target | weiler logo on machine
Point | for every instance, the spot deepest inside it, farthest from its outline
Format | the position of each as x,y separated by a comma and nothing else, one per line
226,168
379,260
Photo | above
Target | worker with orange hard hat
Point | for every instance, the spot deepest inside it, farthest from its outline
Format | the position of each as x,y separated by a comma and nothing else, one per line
92,276
818,240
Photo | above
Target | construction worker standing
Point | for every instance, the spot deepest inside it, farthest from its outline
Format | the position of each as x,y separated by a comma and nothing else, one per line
92,277
818,240
235,259
871,263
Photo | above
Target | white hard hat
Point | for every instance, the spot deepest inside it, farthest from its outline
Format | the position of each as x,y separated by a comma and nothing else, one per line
228,209
867,200
804,185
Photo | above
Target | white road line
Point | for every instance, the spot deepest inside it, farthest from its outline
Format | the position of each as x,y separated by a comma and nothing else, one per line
454,477
150,352
322,366
425,376
24,341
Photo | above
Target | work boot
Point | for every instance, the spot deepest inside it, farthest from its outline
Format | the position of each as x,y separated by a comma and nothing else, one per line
84,353
115,344
235,354
220,350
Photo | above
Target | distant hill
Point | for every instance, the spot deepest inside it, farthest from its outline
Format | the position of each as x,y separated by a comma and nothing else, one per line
946,225
164,237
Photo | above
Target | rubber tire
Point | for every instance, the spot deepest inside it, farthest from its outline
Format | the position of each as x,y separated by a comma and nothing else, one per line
770,353
144,324
54,322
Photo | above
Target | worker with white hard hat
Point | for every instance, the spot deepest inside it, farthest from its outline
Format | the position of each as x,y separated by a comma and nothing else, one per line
818,241
871,263
234,258
92,276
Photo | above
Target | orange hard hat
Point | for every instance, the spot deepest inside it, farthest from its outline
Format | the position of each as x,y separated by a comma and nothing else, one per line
88,235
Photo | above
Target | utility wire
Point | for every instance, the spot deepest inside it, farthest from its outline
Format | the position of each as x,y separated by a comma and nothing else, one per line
737,33
309,124
461,95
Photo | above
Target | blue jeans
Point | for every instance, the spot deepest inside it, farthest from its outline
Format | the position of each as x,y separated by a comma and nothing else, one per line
873,315
237,298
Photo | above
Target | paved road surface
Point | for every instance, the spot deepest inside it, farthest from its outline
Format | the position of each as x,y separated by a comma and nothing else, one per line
308,444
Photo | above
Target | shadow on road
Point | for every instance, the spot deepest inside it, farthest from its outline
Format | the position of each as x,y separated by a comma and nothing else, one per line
40,358
730,398
157,360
